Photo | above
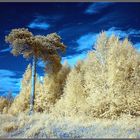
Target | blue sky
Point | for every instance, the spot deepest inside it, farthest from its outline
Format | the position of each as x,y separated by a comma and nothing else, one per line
77,23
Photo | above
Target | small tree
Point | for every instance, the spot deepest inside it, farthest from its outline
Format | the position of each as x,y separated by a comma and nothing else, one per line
38,47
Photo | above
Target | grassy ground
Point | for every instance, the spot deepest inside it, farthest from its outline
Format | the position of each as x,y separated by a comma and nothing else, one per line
46,126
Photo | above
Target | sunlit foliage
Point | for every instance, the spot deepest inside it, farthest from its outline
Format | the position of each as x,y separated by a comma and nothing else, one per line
46,47
107,82
104,85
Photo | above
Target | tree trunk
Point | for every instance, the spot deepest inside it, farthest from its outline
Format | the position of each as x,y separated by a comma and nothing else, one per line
32,97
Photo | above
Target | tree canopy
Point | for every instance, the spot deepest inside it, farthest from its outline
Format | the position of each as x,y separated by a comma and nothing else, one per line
22,41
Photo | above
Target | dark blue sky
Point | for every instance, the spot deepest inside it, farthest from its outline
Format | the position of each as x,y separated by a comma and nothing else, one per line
77,23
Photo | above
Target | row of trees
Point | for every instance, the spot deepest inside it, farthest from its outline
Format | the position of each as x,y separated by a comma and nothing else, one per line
37,47
104,85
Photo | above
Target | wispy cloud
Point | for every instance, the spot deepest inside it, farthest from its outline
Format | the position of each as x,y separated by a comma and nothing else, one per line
8,81
72,60
122,34
134,32
39,23
5,50
116,32
4,73
97,7
86,41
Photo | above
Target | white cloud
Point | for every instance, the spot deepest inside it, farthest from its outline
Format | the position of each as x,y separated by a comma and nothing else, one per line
8,81
4,72
86,41
74,58
117,32
5,50
96,7
123,34
39,23
134,32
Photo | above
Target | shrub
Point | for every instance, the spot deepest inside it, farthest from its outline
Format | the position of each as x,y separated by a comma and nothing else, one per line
10,127
4,105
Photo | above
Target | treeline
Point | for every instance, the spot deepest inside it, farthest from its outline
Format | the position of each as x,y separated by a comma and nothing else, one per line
104,85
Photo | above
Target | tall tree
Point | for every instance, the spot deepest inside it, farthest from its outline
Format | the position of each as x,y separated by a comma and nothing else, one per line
37,47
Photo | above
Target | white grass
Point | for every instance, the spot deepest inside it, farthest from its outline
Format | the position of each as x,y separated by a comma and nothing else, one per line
46,126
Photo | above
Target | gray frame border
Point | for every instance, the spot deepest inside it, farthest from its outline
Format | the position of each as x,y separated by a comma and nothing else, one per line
19,1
